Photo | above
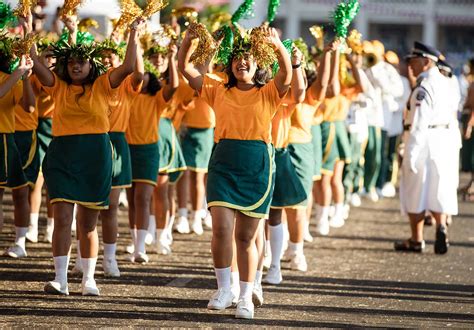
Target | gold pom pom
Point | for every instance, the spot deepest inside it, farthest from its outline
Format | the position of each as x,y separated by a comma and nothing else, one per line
261,50
154,6
23,46
70,8
189,13
130,11
206,47
354,41
318,33
24,7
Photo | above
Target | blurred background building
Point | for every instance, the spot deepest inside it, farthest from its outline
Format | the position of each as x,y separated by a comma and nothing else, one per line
446,24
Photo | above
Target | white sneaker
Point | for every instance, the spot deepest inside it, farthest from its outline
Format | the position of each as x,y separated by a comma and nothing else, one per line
273,276
389,190
323,227
355,200
245,310
32,235
169,237
257,295
89,288
347,211
110,267
299,263
197,227
162,247
16,251
288,255
182,226
307,236
235,289
140,258
53,287
336,222
208,221
48,235
373,196
221,299
130,248
332,210
149,239
267,261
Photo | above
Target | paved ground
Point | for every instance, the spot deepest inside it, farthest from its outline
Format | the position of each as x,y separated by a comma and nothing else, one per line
355,279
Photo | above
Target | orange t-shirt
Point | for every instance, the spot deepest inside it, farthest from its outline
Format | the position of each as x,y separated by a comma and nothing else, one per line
144,116
44,101
199,114
302,120
242,115
25,121
81,109
120,104
183,95
8,104
281,123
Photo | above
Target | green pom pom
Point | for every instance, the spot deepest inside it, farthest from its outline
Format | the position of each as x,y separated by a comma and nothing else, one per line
244,11
82,38
273,6
225,49
6,15
343,15
288,43
14,65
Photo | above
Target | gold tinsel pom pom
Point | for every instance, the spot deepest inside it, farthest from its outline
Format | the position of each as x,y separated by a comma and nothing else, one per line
24,7
261,50
70,8
206,47
153,7
130,11
354,41
318,33
23,46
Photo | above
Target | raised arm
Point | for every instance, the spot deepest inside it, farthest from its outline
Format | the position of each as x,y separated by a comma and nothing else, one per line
42,72
118,75
28,101
334,82
173,85
320,86
298,85
284,74
139,70
194,75
359,87
25,65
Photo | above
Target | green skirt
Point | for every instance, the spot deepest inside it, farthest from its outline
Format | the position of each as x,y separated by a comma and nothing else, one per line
45,135
317,151
121,163
289,191
145,160
197,146
302,158
335,144
11,169
78,169
26,142
171,155
241,177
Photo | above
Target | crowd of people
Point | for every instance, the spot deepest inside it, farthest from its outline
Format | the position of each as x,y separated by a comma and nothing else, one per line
225,129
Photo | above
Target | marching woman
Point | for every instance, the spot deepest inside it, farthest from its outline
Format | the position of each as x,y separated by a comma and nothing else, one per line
119,114
240,178
44,107
142,137
80,151
15,90
300,148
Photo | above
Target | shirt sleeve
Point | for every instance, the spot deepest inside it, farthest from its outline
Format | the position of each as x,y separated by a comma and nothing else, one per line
209,89
102,86
53,90
128,86
272,95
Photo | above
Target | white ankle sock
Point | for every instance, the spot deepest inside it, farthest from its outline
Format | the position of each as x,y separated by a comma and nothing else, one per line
160,234
133,235
20,236
88,268
183,212
324,213
296,247
141,235
258,277
246,289
202,213
61,265
110,250
152,224
276,243
339,210
223,276
50,223
34,221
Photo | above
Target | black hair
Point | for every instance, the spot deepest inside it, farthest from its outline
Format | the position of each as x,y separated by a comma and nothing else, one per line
260,78
311,76
154,84
5,61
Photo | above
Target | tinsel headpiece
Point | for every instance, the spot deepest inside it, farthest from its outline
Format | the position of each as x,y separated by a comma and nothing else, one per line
303,47
86,23
46,41
112,46
343,15
149,67
82,38
91,52
6,15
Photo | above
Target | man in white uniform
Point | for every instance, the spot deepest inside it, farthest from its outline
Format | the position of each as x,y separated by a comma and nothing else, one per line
429,174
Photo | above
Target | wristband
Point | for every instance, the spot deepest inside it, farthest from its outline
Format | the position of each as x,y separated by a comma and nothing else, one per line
296,66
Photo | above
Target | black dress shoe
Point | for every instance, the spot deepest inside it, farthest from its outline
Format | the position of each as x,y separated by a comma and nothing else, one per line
441,244
409,246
